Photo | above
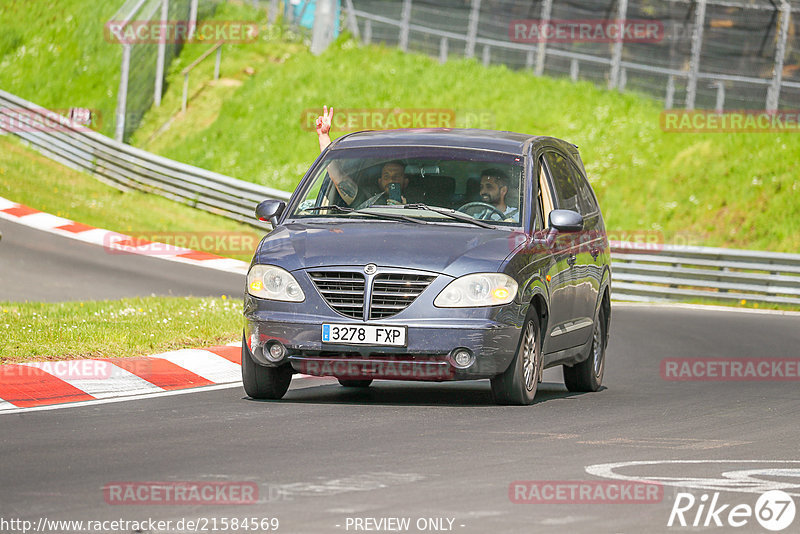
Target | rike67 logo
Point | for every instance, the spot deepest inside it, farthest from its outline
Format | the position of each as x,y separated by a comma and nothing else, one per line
774,510
758,494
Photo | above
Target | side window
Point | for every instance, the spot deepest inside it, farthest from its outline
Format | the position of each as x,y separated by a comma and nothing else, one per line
586,201
566,188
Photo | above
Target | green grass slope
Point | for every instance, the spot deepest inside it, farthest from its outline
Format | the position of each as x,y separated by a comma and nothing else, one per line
55,55
715,189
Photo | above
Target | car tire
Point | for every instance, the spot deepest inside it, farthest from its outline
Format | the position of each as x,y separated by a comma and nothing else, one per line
262,382
518,384
588,375
355,383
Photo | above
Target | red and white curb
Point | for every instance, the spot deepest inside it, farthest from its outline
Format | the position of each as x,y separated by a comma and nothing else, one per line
32,384
114,242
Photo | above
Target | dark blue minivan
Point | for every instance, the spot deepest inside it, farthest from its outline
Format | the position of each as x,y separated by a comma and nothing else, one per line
438,254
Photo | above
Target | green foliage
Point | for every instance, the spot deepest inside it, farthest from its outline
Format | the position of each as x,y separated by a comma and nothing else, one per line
115,328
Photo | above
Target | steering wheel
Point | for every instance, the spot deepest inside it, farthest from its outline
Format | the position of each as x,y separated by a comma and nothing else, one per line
475,208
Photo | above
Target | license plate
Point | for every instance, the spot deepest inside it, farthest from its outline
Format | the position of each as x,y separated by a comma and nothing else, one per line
344,334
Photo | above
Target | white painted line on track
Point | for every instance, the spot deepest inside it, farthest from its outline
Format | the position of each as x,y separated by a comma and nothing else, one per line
113,400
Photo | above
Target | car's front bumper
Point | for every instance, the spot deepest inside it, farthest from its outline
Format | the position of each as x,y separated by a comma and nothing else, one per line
490,334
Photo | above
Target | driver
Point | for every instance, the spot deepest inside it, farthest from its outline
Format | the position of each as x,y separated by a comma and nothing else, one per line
392,172
494,188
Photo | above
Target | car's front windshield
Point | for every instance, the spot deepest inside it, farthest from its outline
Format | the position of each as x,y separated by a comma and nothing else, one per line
367,182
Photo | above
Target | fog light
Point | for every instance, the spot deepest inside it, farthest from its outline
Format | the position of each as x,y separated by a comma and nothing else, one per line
462,358
276,352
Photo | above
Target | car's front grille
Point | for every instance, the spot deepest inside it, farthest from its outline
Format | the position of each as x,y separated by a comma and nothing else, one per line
344,291
393,293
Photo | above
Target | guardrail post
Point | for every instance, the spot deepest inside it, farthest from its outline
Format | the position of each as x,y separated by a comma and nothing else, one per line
573,70
405,21
616,55
273,11
162,52
487,55
670,92
351,19
192,19
774,91
185,91
324,19
720,104
443,50
367,31
122,94
472,28
541,52
694,62
217,62
529,58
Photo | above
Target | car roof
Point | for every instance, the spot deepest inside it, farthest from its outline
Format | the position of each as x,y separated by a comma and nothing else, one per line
499,141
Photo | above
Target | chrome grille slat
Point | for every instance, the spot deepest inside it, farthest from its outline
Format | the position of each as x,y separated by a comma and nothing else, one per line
343,291
391,292
394,292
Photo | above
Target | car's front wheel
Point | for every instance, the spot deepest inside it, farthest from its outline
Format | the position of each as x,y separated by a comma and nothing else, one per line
588,375
262,382
518,384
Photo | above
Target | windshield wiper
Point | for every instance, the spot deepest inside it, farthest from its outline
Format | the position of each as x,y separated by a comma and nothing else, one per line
341,209
333,207
450,213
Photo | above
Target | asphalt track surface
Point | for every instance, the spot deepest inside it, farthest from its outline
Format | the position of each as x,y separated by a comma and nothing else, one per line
40,266
326,455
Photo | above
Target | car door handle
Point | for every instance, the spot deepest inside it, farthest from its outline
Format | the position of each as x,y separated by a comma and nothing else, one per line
571,260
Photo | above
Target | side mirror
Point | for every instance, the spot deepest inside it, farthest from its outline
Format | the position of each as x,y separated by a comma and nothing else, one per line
566,220
270,210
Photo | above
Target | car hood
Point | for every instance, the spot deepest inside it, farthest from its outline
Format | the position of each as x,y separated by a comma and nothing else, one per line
450,249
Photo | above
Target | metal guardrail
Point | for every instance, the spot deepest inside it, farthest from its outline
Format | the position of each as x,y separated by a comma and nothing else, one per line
126,167
640,272
664,272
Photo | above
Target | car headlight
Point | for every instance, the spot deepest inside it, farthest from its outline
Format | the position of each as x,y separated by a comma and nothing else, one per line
273,283
481,289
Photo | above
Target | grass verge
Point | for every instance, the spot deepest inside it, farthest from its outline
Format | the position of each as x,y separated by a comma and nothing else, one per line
115,328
